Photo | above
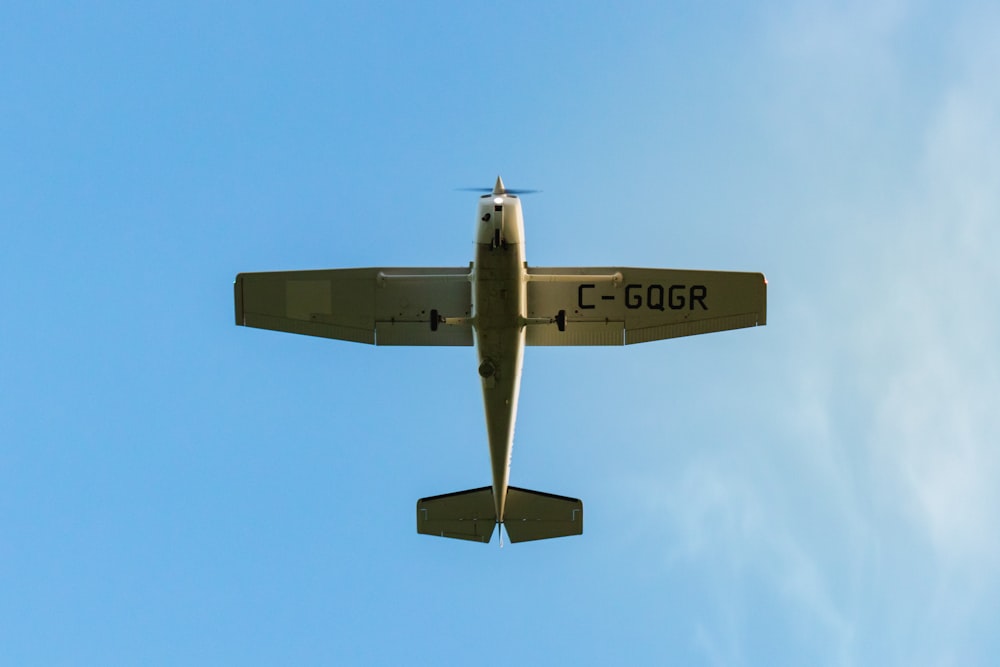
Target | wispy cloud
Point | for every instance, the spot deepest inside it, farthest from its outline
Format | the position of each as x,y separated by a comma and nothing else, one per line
875,519
937,426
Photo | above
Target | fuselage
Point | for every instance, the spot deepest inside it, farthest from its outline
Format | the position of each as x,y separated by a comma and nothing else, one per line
499,304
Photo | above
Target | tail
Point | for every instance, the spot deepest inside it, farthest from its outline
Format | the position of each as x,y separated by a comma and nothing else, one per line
471,515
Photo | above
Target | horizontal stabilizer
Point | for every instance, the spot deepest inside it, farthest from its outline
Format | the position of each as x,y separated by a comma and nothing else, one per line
533,515
466,515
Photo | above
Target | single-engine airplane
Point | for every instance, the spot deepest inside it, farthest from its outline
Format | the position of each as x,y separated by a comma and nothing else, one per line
500,304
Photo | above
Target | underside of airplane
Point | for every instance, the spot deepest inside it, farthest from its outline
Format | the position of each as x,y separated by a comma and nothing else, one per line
500,304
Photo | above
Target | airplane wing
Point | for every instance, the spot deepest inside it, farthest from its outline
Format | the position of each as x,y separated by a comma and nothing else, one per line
384,306
621,305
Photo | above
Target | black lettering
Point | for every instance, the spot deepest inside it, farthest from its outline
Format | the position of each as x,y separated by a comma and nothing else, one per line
654,297
579,293
632,301
698,293
676,297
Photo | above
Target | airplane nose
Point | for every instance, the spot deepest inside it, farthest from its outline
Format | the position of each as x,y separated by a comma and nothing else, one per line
499,188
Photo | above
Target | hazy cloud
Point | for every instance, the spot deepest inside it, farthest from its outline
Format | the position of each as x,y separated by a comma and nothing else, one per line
884,496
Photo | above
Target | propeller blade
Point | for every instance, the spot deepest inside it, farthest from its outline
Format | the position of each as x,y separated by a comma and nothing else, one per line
512,191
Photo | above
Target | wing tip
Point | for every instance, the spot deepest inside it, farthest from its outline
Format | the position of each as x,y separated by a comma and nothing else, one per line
238,300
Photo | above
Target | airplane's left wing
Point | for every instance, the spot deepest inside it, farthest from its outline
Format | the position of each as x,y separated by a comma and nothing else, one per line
623,305
384,306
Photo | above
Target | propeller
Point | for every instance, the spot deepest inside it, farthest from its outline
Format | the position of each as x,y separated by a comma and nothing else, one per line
507,191
500,189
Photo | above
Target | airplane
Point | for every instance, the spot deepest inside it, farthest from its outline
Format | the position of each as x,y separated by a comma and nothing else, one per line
500,304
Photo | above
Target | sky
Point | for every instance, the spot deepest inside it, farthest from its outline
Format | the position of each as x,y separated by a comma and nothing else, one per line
178,490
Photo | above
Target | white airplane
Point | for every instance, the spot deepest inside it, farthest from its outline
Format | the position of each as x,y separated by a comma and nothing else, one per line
500,304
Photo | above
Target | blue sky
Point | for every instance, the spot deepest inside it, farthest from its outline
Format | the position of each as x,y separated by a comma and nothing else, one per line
177,490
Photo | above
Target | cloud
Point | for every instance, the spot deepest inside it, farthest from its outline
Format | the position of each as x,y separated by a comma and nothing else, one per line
874,514
936,422
909,393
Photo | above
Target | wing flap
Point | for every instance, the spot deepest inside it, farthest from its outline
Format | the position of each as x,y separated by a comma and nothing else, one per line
579,333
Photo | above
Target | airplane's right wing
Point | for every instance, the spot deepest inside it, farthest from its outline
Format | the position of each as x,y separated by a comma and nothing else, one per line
387,306
621,305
